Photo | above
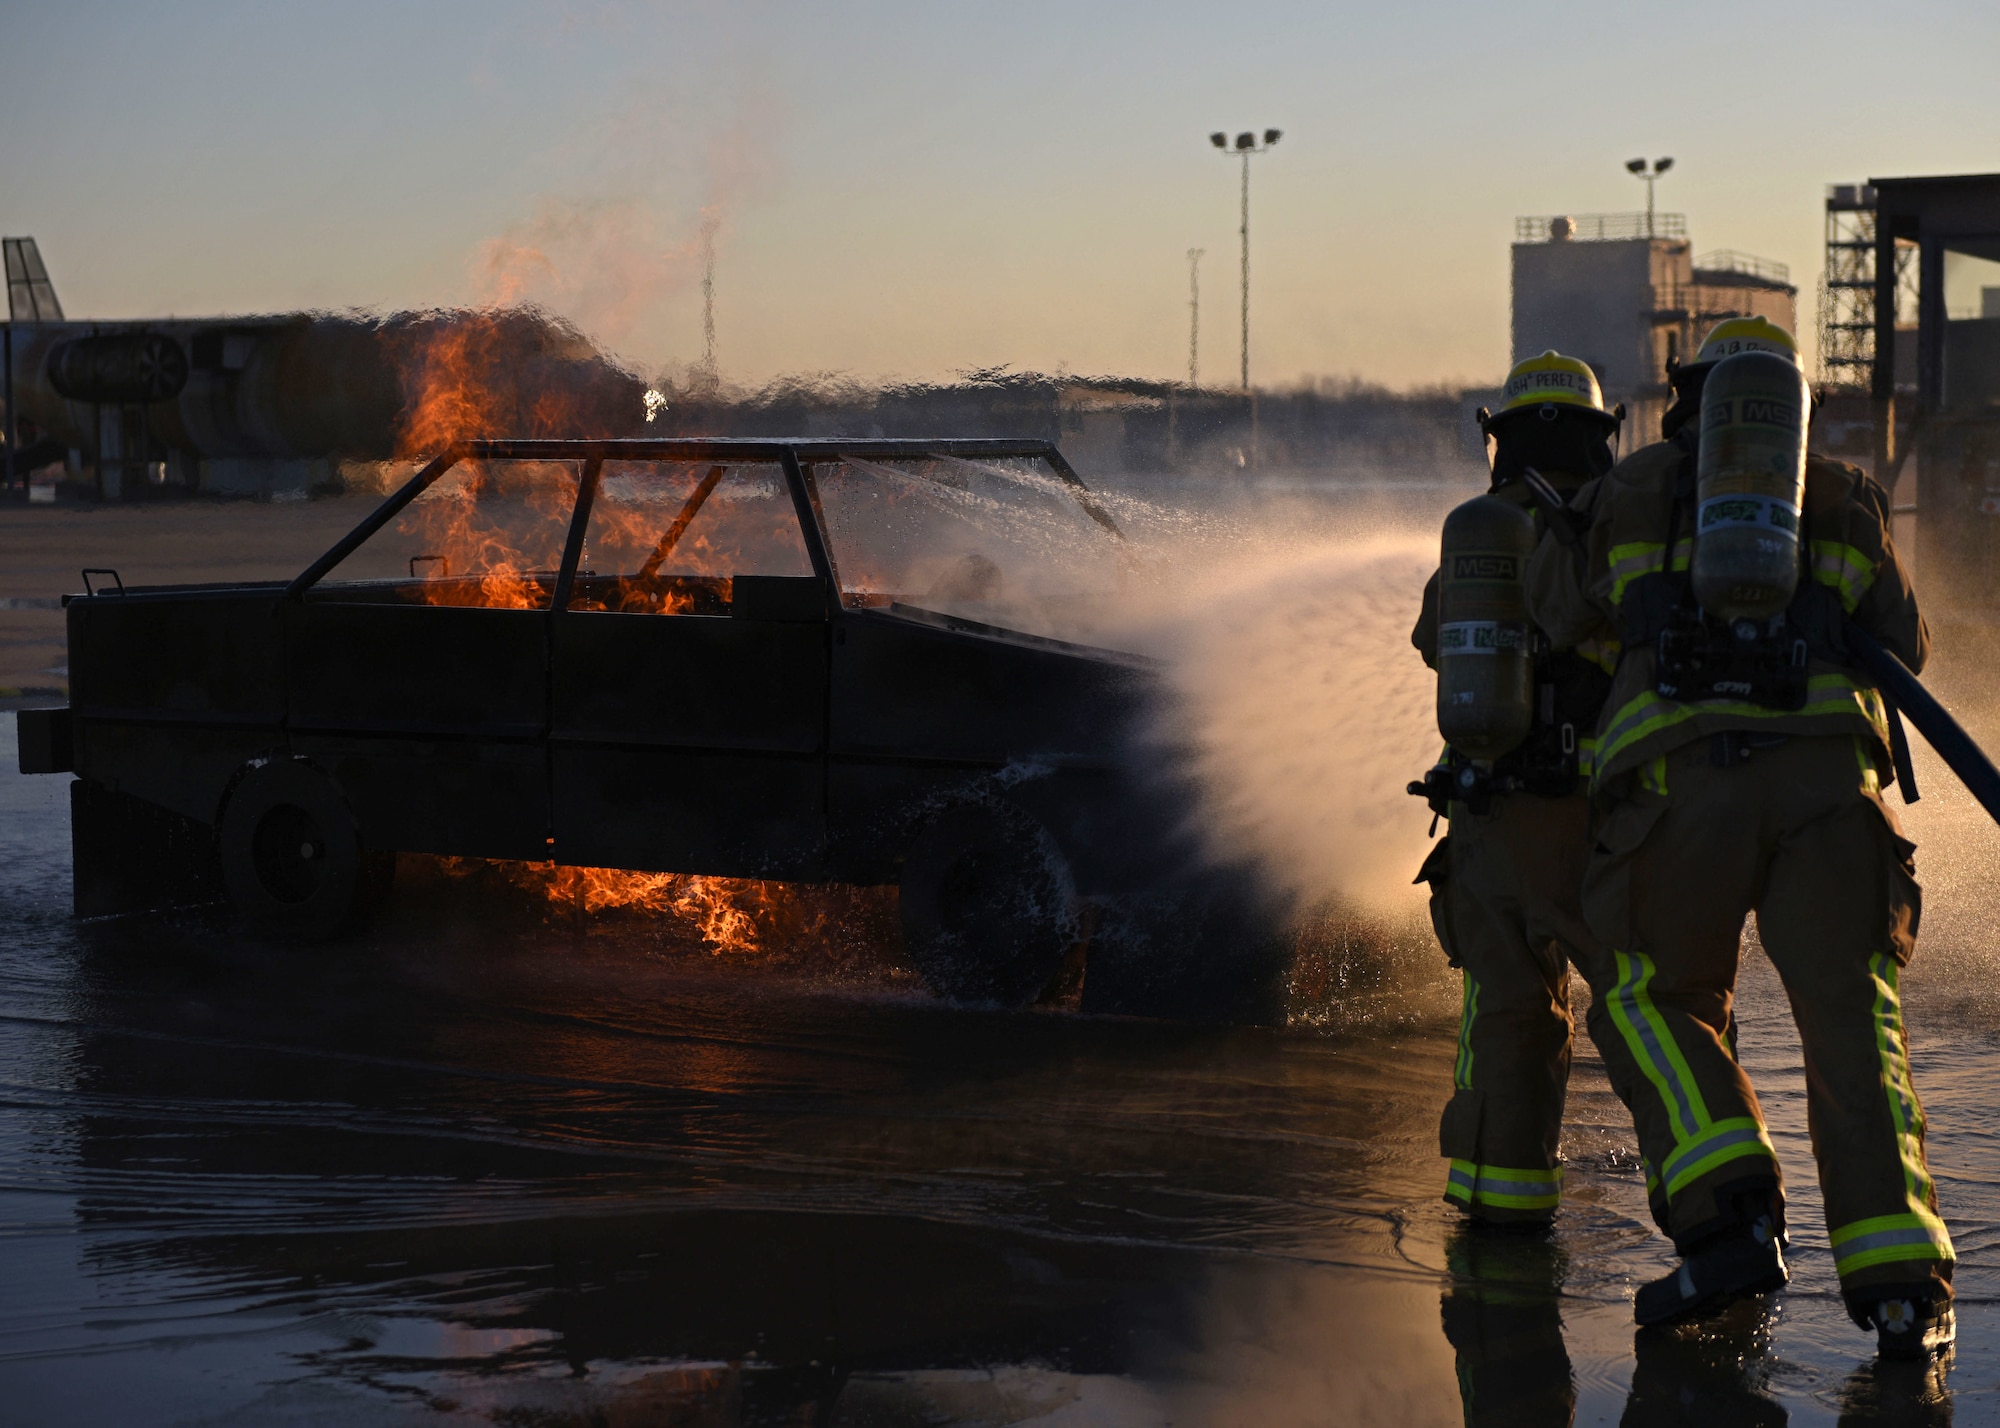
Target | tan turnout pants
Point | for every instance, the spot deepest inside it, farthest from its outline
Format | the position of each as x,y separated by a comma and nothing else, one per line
1799,834
1504,900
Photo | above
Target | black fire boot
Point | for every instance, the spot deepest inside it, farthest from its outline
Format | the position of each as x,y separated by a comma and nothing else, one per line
1740,1262
1917,1327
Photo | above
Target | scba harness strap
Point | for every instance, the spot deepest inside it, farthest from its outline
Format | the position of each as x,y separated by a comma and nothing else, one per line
1700,657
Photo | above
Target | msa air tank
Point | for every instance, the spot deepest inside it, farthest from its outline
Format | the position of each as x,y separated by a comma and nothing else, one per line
1486,673
1750,478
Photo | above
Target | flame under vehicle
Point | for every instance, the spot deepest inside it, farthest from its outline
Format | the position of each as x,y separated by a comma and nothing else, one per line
824,661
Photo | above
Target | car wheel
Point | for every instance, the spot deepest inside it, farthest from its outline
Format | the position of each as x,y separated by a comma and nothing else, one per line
292,858
988,906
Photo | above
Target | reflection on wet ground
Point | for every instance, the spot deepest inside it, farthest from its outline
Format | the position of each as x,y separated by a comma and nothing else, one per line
489,1168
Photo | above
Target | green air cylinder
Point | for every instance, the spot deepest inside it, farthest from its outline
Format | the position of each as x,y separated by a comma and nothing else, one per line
1751,477
1486,674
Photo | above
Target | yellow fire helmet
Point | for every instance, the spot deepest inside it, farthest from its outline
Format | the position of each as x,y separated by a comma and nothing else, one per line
1550,384
1745,334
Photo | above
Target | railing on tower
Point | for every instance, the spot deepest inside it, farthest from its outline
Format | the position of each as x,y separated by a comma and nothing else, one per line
1599,227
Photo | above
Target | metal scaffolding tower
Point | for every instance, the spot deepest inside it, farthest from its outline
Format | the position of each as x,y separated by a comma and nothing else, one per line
1847,287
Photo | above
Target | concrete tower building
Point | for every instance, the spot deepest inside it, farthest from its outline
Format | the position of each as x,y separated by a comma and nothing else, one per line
1628,301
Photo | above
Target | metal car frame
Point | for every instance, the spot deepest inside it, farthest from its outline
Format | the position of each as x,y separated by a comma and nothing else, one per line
802,736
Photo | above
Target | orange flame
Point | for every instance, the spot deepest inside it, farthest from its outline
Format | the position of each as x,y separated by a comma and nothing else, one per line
725,911
731,916
501,373
507,372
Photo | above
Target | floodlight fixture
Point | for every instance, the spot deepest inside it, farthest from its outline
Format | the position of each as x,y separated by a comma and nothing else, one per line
1246,144
1650,176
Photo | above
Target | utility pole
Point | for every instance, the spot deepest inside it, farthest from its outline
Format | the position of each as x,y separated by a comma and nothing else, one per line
708,298
1246,145
1194,256
1637,168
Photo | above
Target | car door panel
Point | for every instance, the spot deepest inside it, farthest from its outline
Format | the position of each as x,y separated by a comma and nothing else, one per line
432,718
689,743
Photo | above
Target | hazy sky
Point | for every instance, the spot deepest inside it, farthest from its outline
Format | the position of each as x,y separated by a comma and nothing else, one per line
916,187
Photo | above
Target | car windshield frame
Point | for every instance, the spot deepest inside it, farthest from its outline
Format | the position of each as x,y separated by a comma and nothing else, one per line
797,458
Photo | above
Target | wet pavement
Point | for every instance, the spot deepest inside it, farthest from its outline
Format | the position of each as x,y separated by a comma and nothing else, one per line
500,1166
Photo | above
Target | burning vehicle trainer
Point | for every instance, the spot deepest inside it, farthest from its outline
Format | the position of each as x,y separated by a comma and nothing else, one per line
820,661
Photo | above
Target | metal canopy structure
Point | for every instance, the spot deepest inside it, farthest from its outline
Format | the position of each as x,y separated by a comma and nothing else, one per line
1957,213
1947,230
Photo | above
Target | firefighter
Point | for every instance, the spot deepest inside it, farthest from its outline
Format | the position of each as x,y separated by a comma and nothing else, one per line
1502,1313
1739,766
1504,881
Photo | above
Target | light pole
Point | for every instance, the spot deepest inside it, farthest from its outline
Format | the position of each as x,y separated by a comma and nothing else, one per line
710,374
1637,168
1246,145
1194,256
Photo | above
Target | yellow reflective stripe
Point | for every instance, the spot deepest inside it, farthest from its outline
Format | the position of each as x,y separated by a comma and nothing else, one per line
1888,1239
1874,708
1718,1144
1871,778
1846,569
1586,755
1645,1032
1601,652
1650,712
1653,776
1462,1073
1701,1144
1905,1111
1643,557
1503,1187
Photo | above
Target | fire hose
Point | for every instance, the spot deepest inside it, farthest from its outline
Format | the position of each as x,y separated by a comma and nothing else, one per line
1943,733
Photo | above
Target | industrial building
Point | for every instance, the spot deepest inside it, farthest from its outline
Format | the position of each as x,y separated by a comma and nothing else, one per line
1625,292
1910,351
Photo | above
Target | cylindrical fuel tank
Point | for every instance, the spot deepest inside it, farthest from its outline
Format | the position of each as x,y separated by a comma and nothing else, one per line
118,367
1751,482
1486,671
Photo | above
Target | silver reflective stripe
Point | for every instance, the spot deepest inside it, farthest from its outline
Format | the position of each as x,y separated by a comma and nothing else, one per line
1746,510
1883,1239
1480,637
1629,992
1707,1146
1489,1186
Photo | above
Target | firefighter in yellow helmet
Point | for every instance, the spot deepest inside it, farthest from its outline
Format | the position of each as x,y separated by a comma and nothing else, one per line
1740,766
1504,881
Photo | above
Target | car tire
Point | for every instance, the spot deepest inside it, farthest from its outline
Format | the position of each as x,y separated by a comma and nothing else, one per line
292,857
988,905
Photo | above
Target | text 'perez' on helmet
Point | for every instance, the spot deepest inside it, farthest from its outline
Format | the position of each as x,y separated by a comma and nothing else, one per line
1551,385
